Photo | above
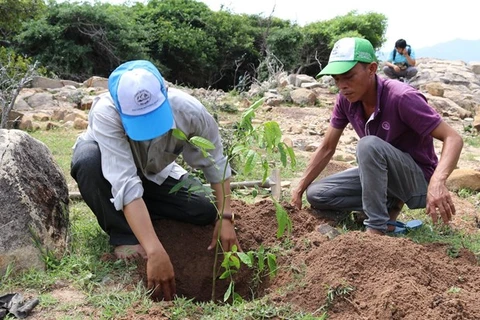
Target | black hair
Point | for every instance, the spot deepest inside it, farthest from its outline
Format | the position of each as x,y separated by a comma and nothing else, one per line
401,43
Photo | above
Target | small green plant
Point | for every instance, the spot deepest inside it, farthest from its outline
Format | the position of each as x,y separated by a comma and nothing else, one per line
454,290
465,193
253,145
333,89
453,252
468,128
340,291
258,260
47,255
473,140
256,145
8,272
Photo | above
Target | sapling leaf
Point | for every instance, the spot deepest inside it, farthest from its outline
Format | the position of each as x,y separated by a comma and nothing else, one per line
261,261
245,258
251,255
179,134
283,153
293,159
272,264
229,291
202,143
250,112
237,297
250,161
283,220
197,188
272,134
226,259
204,153
178,186
235,262
261,249
265,170
226,274
239,149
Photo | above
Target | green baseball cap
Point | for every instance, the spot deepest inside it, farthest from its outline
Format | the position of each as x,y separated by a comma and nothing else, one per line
346,53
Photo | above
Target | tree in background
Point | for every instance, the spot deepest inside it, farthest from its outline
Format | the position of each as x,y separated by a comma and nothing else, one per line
78,40
13,13
15,73
197,46
307,49
191,44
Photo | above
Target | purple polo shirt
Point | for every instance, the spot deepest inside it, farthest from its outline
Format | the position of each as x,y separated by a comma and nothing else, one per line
402,117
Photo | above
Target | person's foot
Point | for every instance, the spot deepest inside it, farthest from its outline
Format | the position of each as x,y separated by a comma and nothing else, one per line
375,231
332,217
130,252
395,212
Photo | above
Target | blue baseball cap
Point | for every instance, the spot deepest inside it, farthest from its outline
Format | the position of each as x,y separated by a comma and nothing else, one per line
140,96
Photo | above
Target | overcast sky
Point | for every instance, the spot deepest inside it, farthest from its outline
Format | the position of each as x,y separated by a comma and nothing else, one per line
421,23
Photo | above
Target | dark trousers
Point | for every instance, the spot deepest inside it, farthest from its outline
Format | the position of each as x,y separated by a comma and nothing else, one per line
96,191
384,175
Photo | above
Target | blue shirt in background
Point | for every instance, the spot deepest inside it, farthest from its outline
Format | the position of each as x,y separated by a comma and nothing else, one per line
400,59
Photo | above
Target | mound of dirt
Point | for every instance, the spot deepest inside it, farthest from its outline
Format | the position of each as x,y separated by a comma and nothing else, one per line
353,276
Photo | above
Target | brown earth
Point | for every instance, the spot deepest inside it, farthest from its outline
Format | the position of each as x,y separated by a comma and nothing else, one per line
389,277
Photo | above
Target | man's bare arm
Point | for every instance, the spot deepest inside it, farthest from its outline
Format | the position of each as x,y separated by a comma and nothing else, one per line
317,163
438,198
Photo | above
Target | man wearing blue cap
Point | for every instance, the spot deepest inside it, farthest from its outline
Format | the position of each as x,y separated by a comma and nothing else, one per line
124,164
396,159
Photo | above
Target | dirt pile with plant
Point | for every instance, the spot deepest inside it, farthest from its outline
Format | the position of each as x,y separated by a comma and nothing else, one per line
352,276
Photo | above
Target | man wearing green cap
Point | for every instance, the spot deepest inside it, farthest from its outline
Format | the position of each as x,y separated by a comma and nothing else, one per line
396,159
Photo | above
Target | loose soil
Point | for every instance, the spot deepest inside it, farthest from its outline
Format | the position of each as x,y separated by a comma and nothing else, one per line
390,277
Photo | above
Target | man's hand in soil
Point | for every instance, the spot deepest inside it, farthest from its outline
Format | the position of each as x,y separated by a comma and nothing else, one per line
228,237
439,202
297,199
160,275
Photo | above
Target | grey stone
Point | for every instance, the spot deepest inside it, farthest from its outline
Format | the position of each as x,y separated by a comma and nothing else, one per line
33,202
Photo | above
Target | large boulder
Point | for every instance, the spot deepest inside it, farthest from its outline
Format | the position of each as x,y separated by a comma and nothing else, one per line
34,214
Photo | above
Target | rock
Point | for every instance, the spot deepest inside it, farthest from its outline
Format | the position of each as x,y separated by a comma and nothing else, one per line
46,83
328,230
33,202
475,65
303,97
80,124
97,82
464,179
435,89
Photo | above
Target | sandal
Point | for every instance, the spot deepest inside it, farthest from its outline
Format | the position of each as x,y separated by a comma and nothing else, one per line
402,228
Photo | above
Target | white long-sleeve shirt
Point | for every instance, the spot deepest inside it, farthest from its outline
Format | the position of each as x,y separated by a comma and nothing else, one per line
124,161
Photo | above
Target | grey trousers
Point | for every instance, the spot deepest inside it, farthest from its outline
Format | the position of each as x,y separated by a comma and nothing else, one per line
384,176
96,192
408,73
